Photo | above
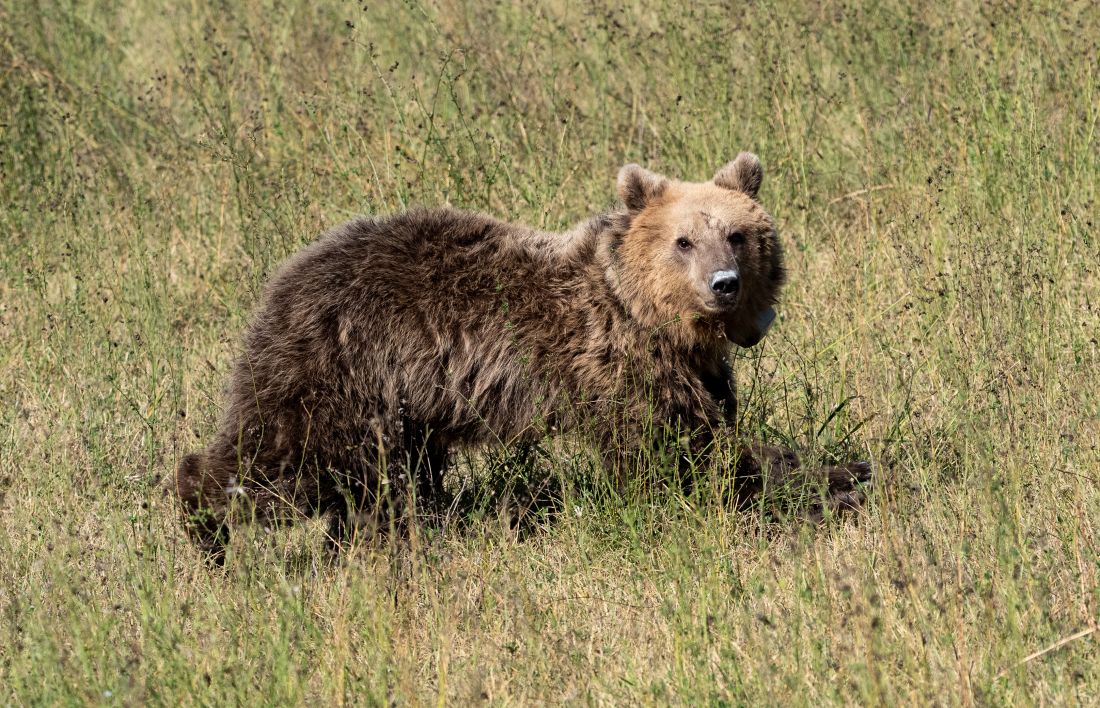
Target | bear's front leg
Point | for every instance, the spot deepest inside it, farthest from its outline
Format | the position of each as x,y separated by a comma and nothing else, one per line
660,440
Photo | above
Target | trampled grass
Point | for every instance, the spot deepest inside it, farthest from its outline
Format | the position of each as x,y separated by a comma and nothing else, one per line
935,176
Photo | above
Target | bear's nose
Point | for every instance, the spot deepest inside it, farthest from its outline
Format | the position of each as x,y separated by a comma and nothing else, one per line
725,282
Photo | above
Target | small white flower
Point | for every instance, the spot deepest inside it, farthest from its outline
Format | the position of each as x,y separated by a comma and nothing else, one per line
233,489
578,510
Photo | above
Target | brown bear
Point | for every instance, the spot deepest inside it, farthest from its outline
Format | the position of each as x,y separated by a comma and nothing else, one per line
388,341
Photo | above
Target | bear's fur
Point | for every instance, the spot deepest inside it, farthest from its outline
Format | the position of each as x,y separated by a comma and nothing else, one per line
388,341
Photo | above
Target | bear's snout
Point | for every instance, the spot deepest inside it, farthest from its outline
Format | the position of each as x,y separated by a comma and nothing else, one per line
725,283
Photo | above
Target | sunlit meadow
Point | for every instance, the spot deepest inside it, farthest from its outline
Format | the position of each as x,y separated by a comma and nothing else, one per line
934,173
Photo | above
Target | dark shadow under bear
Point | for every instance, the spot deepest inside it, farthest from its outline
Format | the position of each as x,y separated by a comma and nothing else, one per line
388,341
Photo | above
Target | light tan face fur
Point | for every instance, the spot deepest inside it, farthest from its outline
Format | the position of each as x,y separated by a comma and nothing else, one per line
706,252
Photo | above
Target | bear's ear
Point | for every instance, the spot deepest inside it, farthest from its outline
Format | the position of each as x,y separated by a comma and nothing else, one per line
744,174
638,186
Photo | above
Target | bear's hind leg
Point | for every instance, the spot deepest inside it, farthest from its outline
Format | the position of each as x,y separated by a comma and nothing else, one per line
203,501
371,486
354,510
336,537
409,487
427,463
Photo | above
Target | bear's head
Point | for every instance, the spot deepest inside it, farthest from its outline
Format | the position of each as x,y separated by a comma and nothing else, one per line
699,259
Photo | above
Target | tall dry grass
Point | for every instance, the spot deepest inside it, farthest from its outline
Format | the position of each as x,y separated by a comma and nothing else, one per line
934,173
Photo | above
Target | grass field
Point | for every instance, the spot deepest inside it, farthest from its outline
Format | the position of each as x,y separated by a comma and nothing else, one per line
936,179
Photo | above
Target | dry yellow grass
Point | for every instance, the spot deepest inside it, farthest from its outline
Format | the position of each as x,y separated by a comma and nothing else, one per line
935,177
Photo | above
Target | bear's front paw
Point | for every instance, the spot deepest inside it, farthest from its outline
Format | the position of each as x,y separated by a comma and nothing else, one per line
848,488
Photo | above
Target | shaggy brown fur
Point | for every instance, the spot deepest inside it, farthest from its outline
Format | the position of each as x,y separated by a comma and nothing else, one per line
388,341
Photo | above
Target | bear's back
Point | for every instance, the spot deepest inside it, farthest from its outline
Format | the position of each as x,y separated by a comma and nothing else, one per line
435,311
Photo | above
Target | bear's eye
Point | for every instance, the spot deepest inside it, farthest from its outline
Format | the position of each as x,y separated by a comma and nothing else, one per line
683,244
737,238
